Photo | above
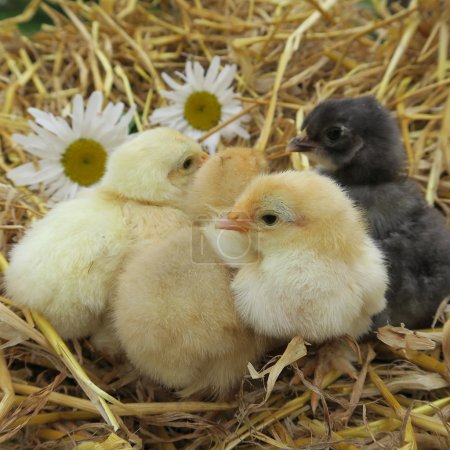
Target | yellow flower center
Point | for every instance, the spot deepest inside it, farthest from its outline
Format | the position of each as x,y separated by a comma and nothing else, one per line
202,110
84,161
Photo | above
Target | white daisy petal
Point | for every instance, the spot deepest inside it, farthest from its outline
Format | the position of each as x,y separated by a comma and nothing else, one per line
34,146
65,132
193,133
227,97
179,124
225,77
162,114
193,81
20,138
51,136
50,142
91,115
47,121
171,82
77,113
40,115
107,120
112,113
199,73
176,96
231,109
63,193
236,130
94,106
27,174
212,143
127,118
21,175
181,75
43,137
73,189
189,73
111,141
212,72
54,186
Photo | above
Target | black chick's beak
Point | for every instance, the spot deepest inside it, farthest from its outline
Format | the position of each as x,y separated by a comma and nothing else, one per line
301,144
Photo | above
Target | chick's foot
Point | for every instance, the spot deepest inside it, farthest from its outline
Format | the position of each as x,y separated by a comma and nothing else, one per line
337,355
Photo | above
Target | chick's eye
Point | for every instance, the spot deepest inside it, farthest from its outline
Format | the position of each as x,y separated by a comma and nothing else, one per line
333,133
187,163
269,219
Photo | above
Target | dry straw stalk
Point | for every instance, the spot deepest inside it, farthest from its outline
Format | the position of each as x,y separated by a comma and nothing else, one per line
290,56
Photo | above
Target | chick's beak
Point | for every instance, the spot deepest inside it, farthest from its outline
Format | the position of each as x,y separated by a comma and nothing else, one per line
203,158
301,144
234,222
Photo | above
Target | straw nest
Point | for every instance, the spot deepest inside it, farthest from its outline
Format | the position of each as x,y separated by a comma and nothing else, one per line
290,56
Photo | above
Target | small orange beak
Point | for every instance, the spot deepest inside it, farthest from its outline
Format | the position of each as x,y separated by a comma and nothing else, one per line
234,222
203,158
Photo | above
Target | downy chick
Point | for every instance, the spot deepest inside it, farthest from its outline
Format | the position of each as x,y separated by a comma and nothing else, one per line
357,143
317,273
221,179
174,311
66,265
176,320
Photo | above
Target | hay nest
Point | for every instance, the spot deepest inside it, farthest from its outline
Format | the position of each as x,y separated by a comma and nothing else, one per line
290,56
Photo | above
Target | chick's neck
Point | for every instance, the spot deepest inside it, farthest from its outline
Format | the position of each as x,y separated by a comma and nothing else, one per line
120,198
368,169
357,174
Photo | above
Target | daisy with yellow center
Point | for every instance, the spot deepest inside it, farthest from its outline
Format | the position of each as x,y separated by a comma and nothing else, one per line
71,157
203,102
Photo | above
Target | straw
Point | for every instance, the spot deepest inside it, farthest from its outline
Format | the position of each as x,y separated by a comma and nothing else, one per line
290,56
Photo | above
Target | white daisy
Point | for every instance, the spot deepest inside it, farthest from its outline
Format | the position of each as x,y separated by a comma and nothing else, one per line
204,101
71,157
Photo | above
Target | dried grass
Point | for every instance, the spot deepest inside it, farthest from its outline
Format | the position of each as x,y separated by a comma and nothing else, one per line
290,56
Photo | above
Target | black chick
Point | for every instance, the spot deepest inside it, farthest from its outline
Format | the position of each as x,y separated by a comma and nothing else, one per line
356,142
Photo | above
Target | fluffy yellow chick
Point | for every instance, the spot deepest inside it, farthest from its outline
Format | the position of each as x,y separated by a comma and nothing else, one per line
66,265
316,273
174,312
221,179
176,320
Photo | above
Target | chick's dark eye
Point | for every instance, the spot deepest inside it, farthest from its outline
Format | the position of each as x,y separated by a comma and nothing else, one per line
269,219
187,163
333,133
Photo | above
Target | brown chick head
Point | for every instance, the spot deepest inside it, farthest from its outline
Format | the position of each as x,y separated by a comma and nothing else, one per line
297,209
158,165
222,178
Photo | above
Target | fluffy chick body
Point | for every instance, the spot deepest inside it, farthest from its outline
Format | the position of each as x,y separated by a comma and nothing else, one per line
66,265
316,271
176,318
174,311
357,143
416,243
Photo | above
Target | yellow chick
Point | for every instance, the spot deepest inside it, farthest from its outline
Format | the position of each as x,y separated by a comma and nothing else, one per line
221,179
66,265
176,320
317,273
174,311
